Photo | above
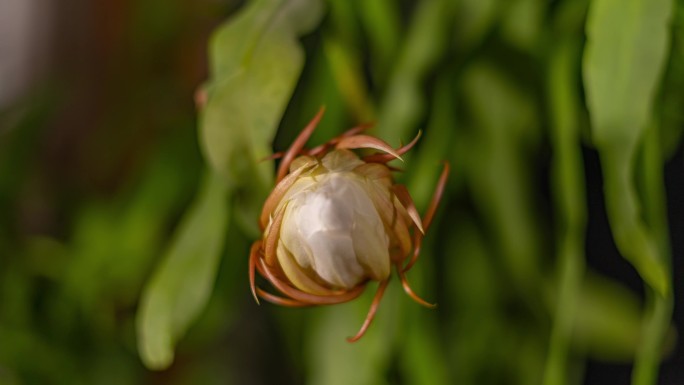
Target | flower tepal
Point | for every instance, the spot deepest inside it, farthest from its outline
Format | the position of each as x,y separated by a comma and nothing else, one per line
336,221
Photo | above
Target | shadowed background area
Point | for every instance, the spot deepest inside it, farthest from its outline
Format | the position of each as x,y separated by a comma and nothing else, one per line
132,135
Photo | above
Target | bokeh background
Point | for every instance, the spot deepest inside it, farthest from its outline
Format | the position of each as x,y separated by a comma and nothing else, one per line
130,140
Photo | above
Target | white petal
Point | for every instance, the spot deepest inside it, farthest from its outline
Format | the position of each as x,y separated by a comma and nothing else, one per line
371,245
334,258
332,226
292,237
295,273
303,184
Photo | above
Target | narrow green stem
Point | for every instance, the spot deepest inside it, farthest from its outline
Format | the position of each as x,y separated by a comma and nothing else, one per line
571,273
570,204
658,307
656,325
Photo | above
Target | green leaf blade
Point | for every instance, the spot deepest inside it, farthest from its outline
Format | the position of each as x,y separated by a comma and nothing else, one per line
625,55
627,47
256,61
182,284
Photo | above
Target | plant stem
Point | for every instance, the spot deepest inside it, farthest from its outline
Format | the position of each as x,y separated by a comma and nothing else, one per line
570,204
658,307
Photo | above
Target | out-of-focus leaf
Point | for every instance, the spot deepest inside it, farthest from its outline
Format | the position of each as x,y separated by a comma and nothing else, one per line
332,360
404,102
672,115
498,151
568,177
522,23
474,18
114,241
47,361
626,49
255,63
422,356
344,22
607,320
348,73
46,257
381,21
627,45
316,88
422,359
477,338
436,146
182,284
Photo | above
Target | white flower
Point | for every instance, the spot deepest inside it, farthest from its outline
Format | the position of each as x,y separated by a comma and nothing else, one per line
334,222
332,229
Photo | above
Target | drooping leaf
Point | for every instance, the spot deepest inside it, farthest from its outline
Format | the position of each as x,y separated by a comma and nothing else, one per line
255,61
180,288
626,49
627,45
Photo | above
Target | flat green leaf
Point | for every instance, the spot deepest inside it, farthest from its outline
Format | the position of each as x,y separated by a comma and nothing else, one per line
180,288
627,45
255,63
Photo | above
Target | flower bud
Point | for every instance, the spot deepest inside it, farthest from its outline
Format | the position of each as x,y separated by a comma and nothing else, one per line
331,230
335,222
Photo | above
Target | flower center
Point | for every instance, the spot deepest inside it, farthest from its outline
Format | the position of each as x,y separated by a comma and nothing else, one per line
334,229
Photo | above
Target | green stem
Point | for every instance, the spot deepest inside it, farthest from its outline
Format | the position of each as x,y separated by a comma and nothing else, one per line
658,307
571,273
656,325
633,237
570,204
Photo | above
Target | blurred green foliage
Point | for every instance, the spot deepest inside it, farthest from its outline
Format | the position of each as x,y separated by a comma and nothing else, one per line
123,253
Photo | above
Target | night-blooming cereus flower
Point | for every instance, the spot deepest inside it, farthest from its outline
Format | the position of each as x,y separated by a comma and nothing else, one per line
336,221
